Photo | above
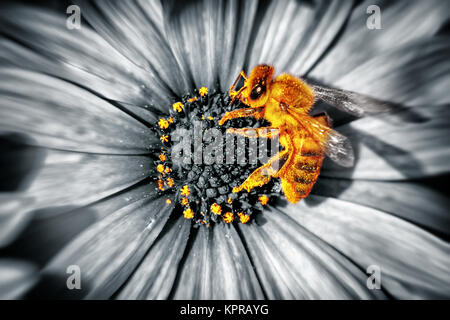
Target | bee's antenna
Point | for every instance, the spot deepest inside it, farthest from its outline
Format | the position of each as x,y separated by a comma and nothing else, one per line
237,95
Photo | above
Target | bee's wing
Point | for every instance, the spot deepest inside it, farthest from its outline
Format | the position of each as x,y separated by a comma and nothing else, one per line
339,149
335,145
351,102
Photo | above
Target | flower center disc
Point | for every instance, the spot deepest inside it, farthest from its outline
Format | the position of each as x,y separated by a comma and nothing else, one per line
199,163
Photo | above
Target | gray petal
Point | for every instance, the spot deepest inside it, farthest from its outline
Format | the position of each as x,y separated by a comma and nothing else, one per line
414,263
208,39
413,75
39,40
217,267
108,251
402,22
155,276
60,115
388,149
135,29
14,216
16,277
52,228
293,35
292,263
410,201
68,180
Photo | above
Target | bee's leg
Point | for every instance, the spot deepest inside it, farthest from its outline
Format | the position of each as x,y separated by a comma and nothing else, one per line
241,113
263,174
286,142
262,132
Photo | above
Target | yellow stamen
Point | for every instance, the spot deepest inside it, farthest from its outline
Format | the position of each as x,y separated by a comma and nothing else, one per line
162,157
163,124
170,119
216,209
160,185
184,201
210,118
203,117
230,201
203,91
178,106
170,182
192,99
264,199
228,217
188,213
244,217
164,138
168,201
185,191
168,170
160,168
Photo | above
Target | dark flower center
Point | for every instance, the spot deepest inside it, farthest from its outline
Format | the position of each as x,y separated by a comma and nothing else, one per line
195,164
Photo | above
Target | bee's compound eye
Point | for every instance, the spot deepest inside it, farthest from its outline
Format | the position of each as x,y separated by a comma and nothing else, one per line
257,91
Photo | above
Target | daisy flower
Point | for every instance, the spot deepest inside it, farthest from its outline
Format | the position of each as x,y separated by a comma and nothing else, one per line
89,181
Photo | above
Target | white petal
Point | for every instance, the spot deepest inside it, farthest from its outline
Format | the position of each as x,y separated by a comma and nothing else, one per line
293,35
135,28
76,179
39,40
402,23
52,228
217,267
410,201
413,75
14,216
16,277
414,264
108,251
60,115
387,149
155,276
208,38
291,263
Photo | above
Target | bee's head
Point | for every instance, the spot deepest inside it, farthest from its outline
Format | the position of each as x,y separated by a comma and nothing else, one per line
257,86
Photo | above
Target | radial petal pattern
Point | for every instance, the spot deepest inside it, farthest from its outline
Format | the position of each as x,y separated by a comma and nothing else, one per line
413,262
78,116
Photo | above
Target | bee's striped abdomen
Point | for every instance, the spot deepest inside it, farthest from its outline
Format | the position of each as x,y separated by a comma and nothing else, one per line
301,175
303,169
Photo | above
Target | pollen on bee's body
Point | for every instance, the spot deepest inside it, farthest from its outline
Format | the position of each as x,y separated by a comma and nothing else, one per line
203,191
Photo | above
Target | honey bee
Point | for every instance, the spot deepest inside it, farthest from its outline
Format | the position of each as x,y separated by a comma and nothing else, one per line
285,101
